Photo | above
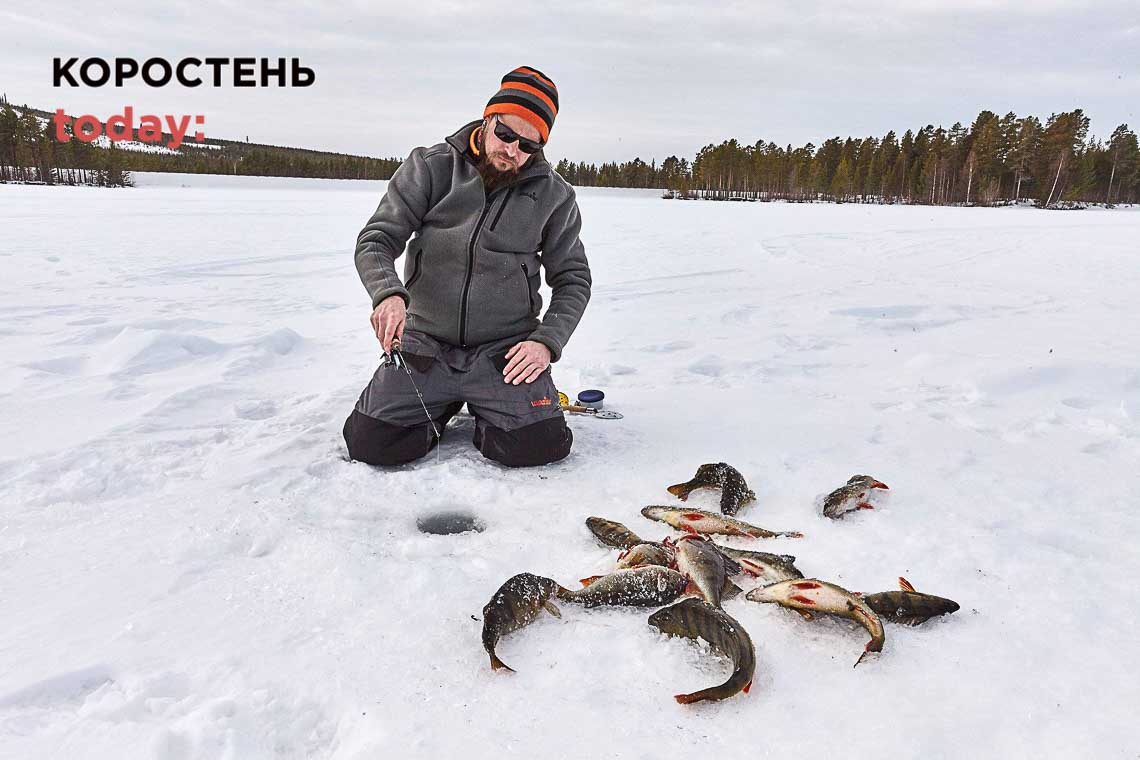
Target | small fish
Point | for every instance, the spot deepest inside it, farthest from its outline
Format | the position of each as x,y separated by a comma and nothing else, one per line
850,497
708,523
646,586
770,568
706,567
734,494
648,553
693,618
809,596
612,533
907,606
516,604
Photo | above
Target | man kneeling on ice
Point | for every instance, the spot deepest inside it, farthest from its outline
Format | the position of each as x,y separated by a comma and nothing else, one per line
488,212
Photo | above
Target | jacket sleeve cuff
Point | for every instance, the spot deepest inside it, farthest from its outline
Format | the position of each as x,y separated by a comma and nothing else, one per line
555,349
380,295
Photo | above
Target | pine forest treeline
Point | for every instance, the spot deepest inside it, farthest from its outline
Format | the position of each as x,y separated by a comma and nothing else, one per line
29,152
995,160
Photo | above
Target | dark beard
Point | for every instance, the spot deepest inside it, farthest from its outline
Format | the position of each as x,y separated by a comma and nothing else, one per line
493,178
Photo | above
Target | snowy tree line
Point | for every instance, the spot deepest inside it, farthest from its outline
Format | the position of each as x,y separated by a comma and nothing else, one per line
29,152
996,160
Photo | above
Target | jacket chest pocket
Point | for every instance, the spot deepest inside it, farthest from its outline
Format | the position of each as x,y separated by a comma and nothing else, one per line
515,225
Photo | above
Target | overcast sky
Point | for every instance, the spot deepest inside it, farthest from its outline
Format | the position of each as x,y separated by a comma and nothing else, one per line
634,79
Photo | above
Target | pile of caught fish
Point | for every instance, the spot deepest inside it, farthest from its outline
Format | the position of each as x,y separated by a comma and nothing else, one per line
658,573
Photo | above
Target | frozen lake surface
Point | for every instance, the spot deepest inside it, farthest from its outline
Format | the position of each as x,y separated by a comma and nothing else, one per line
189,567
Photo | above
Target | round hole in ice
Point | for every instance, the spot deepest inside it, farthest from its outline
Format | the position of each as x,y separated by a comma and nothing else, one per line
449,521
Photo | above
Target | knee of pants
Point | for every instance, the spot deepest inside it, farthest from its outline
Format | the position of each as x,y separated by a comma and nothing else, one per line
529,446
374,442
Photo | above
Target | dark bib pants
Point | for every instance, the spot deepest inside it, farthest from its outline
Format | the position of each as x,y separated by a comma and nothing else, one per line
516,425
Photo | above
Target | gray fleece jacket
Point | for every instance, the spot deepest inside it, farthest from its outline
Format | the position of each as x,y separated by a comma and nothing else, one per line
472,271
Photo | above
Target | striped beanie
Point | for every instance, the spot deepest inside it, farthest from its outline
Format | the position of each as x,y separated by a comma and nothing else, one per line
529,94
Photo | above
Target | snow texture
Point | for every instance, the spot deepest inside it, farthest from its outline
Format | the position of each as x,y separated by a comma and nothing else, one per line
192,569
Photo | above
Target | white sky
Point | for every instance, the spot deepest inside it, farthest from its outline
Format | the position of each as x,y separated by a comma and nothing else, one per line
634,79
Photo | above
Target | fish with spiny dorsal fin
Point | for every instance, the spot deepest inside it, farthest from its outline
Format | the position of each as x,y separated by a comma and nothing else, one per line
851,496
769,568
644,586
809,596
612,533
907,606
709,523
648,553
734,492
516,604
707,567
696,618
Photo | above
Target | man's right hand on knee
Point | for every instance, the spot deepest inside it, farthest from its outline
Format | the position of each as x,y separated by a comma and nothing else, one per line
388,320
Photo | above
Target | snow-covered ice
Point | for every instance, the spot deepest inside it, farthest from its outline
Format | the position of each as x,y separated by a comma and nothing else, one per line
189,568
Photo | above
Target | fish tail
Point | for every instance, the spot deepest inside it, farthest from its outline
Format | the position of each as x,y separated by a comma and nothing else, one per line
497,664
688,699
713,693
874,646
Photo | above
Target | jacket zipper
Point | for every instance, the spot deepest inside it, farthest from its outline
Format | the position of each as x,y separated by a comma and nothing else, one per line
506,200
415,270
471,260
467,276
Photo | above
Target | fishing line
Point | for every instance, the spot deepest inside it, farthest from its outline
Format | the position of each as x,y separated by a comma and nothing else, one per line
396,359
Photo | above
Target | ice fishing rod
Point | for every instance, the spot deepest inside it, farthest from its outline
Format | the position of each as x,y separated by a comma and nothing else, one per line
396,359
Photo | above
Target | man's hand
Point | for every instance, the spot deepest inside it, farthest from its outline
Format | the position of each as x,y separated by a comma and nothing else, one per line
525,362
388,320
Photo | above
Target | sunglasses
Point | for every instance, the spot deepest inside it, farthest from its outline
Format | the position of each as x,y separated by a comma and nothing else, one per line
508,135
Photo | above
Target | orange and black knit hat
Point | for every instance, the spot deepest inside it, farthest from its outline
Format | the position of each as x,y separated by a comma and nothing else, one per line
529,94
